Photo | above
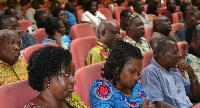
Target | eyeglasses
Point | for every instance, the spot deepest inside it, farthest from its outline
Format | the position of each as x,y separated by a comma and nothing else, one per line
117,34
132,16
63,15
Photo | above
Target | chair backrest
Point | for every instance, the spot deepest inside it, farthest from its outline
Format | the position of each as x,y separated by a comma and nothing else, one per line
78,8
123,33
178,9
148,33
79,49
40,35
183,48
131,8
84,78
196,106
176,17
28,51
111,7
101,6
106,12
117,12
25,8
16,94
147,56
125,4
176,26
82,30
79,13
25,24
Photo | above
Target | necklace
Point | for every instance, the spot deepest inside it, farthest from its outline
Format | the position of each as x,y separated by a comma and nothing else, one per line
75,103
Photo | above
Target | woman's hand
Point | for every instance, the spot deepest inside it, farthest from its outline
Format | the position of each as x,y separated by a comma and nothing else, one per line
147,104
57,37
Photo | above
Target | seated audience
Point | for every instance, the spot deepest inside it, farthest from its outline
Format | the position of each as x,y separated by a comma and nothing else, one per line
12,4
11,11
41,2
162,29
9,22
12,66
54,5
91,15
191,18
31,11
124,13
171,8
71,12
23,3
60,14
120,87
138,8
56,32
51,72
153,10
196,5
193,40
108,31
135,31
184,10
40,17
162,80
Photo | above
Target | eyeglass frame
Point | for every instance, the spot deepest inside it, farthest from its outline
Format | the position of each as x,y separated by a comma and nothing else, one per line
132,16
116,34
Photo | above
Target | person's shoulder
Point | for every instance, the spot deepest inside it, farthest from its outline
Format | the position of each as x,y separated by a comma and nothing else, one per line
102,89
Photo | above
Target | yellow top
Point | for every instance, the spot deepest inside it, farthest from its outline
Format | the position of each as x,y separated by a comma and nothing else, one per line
16,72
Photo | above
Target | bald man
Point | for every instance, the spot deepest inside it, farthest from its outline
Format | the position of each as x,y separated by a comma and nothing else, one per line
108,31
12,67
162,29
171,8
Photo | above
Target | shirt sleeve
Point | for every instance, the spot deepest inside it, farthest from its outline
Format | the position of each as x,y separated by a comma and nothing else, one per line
151,84
93,57
98,99
187,84
85,18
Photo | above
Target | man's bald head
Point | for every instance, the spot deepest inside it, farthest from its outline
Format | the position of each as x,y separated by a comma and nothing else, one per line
162,25
107,31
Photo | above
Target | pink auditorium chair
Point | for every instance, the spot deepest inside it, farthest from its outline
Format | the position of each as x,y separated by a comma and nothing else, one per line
79,13
176,26
25,8
123,33
176,17
78,8
106,12
131,8
82,30
16,94
117,12
101,6
147,56
183,48
40,35
28,51
25,24
196,106
125,4
84,78
79,49
148,33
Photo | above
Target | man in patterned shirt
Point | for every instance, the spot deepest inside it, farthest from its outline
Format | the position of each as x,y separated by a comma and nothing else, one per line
12,67
108,31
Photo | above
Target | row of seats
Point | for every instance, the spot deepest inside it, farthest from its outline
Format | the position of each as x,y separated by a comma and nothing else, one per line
19,93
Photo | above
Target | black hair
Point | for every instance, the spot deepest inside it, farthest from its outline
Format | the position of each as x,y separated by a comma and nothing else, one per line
51,24
3,20
88,4
128,19
120,53
45,63
57,11
7,11
152,8
38,14
135,3
55,2
124,13
13,0
160,45
183,6
191,32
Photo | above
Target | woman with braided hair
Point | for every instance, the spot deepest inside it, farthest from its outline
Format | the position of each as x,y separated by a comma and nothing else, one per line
120,87
51,73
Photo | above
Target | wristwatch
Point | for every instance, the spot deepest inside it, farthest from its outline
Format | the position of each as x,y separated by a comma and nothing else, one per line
193,80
